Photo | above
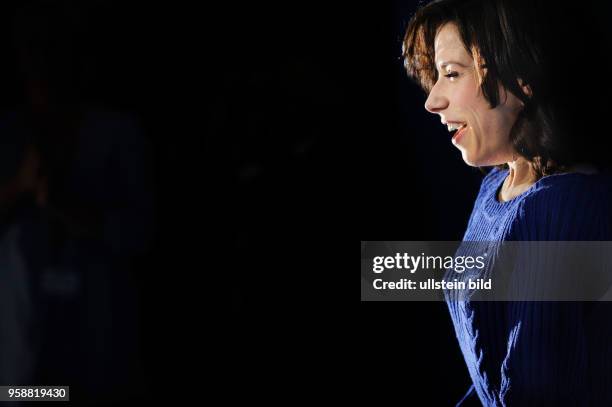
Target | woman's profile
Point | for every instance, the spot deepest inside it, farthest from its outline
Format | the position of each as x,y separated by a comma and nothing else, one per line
502,76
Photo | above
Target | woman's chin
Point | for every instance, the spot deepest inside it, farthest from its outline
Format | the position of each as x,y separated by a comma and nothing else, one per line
471,163
478,158
474,161
468,158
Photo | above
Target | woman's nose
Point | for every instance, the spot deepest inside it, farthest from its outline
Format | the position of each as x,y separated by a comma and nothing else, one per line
435,101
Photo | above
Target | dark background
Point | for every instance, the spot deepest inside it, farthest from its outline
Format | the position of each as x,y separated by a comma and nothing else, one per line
280,131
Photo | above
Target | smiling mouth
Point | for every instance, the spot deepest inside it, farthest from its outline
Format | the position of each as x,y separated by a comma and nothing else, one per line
458,132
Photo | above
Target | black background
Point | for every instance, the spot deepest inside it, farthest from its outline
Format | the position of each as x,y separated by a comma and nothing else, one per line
281,131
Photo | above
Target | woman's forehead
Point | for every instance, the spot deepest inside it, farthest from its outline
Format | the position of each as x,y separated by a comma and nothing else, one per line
448,46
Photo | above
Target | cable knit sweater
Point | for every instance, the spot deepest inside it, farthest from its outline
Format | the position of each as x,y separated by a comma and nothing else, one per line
525,353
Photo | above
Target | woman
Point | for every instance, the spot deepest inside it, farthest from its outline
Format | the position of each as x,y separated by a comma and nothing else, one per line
498,74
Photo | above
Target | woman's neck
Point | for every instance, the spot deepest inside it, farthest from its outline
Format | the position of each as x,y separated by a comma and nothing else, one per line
520,177
521,173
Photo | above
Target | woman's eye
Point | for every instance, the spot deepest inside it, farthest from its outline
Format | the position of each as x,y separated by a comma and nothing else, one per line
451,75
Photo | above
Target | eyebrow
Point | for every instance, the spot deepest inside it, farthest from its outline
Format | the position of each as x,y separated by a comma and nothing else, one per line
444,64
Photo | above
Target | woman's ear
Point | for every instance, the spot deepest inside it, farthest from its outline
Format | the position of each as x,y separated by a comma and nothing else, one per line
525,88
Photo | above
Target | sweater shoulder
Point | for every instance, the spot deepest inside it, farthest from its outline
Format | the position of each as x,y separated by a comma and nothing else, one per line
570,206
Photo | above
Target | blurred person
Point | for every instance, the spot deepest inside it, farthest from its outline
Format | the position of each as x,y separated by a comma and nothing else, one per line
90,175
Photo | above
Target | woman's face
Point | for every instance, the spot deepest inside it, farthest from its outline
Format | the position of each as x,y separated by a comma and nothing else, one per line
457,98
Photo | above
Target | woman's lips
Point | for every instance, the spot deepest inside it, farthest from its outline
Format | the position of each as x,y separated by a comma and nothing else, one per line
459,134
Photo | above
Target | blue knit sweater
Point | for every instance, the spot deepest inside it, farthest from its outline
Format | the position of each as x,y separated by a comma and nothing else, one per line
538,353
